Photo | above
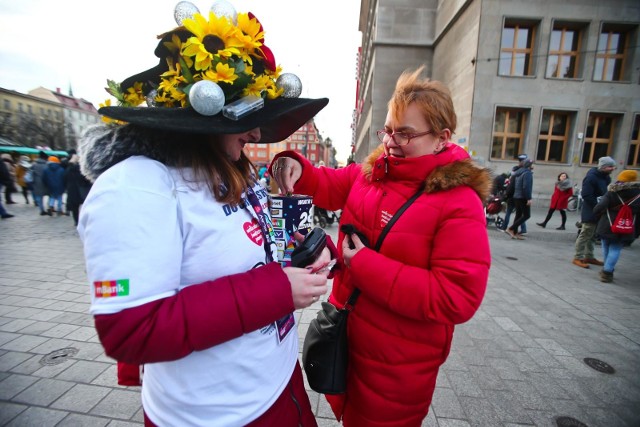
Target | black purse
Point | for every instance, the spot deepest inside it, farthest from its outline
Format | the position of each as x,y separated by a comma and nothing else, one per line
325,352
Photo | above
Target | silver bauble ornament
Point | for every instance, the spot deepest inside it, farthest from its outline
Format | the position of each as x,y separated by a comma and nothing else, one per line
224,8
151,98
184,10
206,97
291,84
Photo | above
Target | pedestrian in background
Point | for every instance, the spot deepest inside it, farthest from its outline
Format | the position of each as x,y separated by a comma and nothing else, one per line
594,185
5,179
24,177
53,178
626,190
423,281
179,243
77,186
509,192
522,198
39,187
10,186
562,190
499,185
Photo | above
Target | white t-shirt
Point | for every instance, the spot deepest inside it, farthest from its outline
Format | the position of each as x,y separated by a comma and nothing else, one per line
148,233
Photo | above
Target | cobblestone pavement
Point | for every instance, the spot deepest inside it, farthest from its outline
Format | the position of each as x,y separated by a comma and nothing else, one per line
518,362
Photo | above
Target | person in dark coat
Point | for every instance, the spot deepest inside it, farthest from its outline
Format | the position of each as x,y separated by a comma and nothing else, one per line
10,187
53,178
522,198
77,187
627,189
594,185
508,195
499,185
39,188
5,179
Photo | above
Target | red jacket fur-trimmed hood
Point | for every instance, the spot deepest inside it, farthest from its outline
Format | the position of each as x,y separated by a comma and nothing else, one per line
447,176
430,274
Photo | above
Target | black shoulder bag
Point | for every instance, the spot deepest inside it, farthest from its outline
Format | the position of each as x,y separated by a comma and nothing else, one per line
325,352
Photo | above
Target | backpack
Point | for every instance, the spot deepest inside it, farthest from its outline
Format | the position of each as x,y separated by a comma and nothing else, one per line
624,222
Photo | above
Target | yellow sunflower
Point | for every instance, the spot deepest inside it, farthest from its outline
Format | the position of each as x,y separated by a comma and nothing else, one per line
223,73
249,36
134,95
214,38
261,83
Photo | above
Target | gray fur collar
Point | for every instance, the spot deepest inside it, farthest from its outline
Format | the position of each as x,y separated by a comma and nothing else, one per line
619,186
104,145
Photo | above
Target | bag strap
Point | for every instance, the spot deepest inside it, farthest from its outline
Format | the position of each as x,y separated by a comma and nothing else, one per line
356,292
628,202
395,218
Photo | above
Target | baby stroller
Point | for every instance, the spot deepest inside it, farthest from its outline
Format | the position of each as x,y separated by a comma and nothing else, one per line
323,217
492,210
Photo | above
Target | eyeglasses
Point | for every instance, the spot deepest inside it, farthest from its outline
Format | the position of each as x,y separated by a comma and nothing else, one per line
400,138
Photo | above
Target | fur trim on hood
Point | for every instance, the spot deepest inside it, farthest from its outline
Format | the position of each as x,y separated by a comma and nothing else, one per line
619,186
446,177
104,145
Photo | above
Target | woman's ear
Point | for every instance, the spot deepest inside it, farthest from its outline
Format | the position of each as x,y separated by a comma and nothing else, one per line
445,135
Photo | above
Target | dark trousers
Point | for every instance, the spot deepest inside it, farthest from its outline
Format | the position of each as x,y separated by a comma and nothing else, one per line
7,194
523,213
563,214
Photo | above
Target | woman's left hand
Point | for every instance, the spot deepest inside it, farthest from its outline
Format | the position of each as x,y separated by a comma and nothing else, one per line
347,252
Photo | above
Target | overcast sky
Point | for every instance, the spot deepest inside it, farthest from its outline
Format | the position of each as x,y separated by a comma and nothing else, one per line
80,43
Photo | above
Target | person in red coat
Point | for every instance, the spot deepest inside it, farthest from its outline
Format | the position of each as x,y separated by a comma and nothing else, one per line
559,200
430,273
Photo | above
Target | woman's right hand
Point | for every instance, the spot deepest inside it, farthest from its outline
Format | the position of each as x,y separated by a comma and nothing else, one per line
286,171
306,287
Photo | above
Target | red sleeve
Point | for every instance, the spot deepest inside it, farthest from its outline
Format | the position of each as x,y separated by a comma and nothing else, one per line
452,288
329,187
198,317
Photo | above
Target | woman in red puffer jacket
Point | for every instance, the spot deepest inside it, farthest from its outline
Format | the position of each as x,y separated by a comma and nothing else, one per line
432,269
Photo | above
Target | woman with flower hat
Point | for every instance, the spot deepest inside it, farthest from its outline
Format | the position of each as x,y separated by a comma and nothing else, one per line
431,271
178,239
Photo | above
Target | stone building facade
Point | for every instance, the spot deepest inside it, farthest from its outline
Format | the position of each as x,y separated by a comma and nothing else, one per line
559,81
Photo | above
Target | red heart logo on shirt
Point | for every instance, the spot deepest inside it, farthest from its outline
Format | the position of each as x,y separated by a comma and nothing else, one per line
253,231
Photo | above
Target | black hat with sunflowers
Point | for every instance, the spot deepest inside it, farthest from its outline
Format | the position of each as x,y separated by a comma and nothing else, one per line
215,76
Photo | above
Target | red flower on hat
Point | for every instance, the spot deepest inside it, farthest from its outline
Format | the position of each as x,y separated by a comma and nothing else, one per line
267,54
